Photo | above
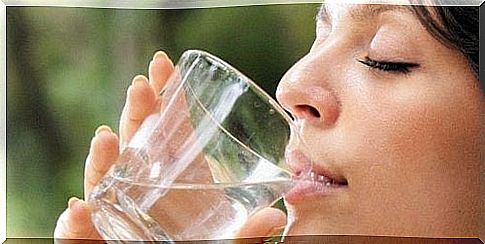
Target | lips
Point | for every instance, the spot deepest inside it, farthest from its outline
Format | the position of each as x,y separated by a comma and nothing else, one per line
319,181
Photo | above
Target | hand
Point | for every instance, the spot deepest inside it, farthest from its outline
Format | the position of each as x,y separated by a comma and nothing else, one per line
142,100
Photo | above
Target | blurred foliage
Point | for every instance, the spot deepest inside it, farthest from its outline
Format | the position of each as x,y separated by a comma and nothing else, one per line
68,70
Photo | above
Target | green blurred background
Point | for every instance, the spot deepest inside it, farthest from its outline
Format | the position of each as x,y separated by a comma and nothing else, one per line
68,70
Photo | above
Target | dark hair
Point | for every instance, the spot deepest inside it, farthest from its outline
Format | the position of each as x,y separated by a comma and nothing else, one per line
456,27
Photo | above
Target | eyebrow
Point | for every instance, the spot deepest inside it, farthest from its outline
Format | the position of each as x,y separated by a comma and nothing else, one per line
362,12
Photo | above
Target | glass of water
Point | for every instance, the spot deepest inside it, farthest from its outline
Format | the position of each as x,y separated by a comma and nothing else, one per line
211,158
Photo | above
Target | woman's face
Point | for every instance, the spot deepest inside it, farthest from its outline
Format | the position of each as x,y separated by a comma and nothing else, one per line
393,117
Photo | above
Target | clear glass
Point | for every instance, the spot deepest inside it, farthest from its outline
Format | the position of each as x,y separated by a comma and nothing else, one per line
214,156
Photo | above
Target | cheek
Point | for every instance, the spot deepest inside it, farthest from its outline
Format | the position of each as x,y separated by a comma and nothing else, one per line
411,140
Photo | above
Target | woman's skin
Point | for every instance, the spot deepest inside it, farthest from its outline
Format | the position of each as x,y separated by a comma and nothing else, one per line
402,144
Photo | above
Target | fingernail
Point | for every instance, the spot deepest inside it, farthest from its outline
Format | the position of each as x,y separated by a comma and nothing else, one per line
72,202
159,55
139,80
102,128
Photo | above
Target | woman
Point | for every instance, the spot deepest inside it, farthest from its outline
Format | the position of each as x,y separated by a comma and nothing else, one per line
388,99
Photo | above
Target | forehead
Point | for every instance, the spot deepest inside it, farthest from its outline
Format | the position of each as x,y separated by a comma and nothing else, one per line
357,12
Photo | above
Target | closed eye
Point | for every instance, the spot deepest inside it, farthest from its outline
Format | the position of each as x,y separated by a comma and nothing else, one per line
393,67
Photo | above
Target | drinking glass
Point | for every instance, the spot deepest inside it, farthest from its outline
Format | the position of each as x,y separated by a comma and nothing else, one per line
197,170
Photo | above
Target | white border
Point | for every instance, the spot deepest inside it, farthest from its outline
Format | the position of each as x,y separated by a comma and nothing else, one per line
3,122
133,4
173,4
152,4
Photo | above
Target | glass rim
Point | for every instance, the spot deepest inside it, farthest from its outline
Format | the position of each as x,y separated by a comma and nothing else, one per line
274,104
263,95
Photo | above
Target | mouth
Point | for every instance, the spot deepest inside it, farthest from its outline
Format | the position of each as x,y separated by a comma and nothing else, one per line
319,181
326,180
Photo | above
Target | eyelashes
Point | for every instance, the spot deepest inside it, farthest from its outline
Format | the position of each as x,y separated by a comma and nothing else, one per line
392,67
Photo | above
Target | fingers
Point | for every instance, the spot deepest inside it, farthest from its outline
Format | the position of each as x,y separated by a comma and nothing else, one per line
263,224
140,102
160,68
75,222
103,153
143,96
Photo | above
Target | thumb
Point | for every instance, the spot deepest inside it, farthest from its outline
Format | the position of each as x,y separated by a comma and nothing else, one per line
263,223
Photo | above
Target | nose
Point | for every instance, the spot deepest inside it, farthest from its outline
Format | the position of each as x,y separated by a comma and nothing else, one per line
306,93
